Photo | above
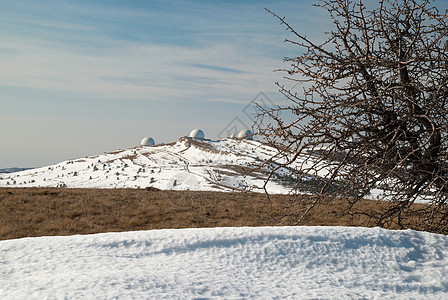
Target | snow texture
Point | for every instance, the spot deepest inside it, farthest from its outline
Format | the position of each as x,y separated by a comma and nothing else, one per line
228,263
188,164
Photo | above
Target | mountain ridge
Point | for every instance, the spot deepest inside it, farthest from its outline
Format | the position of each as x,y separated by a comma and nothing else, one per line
13,170
187,164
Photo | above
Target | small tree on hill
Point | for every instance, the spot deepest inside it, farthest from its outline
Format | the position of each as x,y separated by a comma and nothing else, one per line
368,108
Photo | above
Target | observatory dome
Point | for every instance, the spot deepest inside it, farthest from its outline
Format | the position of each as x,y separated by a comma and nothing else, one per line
245,134
147,141
197,134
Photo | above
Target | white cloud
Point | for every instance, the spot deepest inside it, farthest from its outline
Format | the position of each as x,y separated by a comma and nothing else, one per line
137,70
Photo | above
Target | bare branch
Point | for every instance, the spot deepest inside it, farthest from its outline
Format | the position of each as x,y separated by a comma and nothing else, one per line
372,109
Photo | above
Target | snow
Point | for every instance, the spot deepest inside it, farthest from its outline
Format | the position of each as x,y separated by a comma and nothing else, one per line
228,263
204,165
197,165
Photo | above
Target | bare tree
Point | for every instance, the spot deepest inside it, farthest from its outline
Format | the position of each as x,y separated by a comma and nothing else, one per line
368,108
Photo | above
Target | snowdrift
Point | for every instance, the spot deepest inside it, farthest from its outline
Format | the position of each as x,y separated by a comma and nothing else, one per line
229,263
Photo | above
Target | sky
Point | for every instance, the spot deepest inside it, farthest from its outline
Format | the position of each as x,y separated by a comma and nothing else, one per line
84,77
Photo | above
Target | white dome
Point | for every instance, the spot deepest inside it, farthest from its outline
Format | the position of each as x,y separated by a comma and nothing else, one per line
147,141
233,136
197,134
245,134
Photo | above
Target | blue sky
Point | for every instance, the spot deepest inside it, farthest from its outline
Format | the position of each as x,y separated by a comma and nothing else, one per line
83,77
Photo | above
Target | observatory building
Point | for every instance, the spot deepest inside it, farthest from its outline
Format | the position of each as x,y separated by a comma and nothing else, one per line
147,141
197,134
245,134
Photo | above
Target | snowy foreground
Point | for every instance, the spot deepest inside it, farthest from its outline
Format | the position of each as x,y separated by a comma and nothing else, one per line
228,263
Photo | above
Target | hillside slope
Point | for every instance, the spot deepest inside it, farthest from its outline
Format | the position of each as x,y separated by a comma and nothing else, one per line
187,164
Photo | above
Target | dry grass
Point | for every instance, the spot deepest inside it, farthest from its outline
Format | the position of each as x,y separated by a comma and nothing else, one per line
26,212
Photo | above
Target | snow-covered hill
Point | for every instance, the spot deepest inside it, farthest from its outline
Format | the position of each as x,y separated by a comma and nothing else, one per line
228,263
187,164
13,170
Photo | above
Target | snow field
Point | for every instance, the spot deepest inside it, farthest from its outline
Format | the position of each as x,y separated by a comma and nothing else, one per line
178,166
228,263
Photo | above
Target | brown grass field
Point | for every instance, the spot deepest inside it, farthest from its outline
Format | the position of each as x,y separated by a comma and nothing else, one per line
30,212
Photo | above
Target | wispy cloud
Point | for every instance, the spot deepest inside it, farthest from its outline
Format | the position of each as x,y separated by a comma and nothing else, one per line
217,68
134,70
125,66
87,60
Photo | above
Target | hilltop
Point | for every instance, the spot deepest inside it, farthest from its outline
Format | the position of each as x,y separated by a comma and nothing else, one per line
197,165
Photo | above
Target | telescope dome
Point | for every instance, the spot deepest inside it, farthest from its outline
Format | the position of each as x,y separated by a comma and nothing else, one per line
245,134
147,141
197,134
